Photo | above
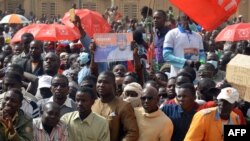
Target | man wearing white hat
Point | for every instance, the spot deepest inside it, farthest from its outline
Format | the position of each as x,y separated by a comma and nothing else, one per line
208,124
44,84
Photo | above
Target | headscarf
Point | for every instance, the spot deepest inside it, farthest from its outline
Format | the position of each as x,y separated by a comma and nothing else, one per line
135,87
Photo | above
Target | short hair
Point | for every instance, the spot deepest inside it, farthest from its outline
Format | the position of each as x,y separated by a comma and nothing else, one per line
89,91
191,71
209,66
153,83
109,74
90,78
18,92
163,13
132,74
15,68
185,74
121,65
162,73
40,43
189,86
146,10
183,15
54,55
13,75
138,37
28,35
61,76
50,103
206,82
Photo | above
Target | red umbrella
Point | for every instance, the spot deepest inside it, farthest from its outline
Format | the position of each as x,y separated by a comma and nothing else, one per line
48,32
33,29
92,21
56,32
235,32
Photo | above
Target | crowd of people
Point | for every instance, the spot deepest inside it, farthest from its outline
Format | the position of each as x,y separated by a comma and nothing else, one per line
173,89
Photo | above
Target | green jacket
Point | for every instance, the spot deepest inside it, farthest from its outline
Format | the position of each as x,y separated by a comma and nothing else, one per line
23,126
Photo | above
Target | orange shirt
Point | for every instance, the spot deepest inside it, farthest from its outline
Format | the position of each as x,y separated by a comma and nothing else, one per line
210,104
208,126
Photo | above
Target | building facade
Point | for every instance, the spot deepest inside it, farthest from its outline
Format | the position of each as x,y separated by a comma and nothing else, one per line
130,8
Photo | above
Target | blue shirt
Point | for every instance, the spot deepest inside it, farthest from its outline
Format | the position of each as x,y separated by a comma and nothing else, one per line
180,119
158,44
85,71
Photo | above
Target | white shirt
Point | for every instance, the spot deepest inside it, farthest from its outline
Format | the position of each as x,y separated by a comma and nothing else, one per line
68,106
185,45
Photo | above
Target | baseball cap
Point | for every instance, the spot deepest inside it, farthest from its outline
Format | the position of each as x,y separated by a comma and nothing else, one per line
229,94
44,81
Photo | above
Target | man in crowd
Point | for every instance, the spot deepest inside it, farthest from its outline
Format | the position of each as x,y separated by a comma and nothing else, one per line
213,59
206,91
206,70
181,78
15,125
48,127
153,124
183,47
26,39
159,18
171,88
14,80
120,114
119,71
182,114
84,124
90,81
60,89
132,93
44,84
208,124
51,63
34,63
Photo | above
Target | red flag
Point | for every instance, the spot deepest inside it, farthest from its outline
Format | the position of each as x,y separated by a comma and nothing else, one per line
208,13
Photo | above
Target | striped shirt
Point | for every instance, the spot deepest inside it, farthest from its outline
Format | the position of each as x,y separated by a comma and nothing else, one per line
29,105
58,133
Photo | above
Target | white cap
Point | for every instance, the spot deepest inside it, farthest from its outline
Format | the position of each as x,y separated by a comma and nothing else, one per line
44,81
229,94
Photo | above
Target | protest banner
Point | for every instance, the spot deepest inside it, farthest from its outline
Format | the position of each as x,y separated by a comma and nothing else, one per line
208,13
237,74
113,47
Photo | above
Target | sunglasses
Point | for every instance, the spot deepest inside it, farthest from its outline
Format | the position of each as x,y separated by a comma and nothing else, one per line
147,98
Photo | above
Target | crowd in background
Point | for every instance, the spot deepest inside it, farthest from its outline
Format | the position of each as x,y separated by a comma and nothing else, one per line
174,88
